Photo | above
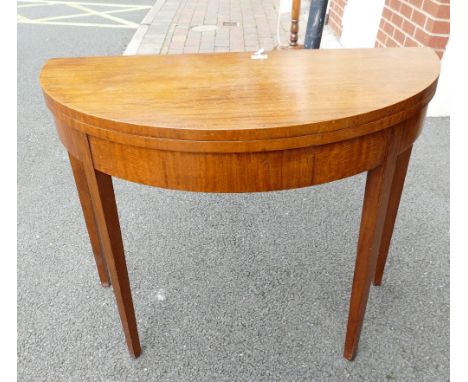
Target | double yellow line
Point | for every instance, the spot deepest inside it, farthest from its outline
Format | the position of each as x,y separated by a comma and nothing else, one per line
86,11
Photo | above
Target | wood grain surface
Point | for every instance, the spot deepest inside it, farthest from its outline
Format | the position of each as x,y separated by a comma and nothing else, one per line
218,97
227,123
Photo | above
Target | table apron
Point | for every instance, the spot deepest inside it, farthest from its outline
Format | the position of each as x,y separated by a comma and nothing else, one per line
246,171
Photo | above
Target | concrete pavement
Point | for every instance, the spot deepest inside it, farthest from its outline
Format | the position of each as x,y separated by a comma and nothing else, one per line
204,26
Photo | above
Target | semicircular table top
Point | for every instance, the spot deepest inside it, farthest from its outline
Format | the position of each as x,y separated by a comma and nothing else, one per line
233,97
230,123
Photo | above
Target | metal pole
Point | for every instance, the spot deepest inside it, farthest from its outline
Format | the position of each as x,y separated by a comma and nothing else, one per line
315,23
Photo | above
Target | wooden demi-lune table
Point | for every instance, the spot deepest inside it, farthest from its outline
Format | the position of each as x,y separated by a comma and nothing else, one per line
229,123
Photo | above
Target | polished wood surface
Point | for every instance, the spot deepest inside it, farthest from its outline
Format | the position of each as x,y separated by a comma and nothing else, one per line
227,123
295,15
236,110
376,196
105,209
230,97
90,219
392,210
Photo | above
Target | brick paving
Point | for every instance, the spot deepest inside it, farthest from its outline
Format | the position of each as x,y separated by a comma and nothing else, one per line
227,26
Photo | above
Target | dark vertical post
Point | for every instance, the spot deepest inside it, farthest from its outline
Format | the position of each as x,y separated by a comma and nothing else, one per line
315,23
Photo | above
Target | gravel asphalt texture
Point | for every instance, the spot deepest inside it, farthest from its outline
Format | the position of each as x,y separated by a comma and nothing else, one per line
227,287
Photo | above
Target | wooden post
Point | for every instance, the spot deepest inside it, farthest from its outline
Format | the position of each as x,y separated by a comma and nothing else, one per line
295,13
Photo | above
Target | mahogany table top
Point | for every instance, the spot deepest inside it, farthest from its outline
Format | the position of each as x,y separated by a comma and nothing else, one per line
233,97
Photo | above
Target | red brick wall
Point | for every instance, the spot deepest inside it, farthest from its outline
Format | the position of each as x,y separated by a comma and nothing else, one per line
335,15
415,23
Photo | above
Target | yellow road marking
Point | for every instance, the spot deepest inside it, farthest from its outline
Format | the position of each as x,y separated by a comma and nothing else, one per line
87,14
53,2
82,6
79,24
106,16
22,18
33,5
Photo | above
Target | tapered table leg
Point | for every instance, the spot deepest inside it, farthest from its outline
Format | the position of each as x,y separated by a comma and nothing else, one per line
87,207
376,198
105,209
392,210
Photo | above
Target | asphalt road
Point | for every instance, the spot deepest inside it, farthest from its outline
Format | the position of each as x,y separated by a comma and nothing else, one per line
251,287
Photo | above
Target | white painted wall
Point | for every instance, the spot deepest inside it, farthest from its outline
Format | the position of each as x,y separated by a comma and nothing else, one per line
440,104
285,6
360,22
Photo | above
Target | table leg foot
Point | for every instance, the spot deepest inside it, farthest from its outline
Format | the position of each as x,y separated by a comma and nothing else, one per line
107,219
90,220
376,198
392,210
